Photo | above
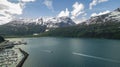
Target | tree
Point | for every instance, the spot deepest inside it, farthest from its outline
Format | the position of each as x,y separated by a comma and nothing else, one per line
1,39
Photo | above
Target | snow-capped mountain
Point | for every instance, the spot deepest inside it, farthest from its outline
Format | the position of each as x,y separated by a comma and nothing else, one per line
99,25
48,22
32,26
102,26
113,16
20,22
59,22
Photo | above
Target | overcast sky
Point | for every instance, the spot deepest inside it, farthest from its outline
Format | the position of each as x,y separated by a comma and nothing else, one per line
78,10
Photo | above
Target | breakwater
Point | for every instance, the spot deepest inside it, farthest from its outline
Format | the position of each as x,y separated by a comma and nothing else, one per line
23,60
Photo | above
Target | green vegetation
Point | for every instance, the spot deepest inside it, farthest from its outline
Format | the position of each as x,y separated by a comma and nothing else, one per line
20,30
101,30
1,39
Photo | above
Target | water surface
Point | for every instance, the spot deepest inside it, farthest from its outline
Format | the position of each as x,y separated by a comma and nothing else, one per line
71,52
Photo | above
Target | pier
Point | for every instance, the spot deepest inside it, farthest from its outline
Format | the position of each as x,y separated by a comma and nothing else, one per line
24,58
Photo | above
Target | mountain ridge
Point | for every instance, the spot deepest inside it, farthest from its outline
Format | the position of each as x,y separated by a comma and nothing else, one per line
113,16
102,26
31,26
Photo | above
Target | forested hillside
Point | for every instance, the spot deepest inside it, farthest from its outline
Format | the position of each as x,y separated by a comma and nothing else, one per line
1,39
103,26
108,30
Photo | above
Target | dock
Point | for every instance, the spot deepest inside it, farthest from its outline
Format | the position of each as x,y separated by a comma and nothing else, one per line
24,58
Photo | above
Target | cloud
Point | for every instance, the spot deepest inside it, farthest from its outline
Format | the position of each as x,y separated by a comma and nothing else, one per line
79,20
95,2
78,8
101,13
77,14
100,1
8,9
27,0
49,4
64,13
94,14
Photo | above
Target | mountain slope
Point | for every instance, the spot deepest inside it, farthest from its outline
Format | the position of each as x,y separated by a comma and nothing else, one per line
30,26
113,16
1,39
103,26
21,29
59,22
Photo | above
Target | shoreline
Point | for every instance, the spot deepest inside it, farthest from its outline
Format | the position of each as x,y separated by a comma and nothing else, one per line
37,36
20,64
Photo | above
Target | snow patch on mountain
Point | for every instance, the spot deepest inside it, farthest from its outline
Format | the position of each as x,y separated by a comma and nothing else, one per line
52,22
113,16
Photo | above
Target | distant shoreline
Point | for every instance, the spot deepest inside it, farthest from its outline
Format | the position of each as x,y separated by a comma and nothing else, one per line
29,36
58,37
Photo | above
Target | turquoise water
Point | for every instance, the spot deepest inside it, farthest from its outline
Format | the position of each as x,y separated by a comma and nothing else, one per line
71,52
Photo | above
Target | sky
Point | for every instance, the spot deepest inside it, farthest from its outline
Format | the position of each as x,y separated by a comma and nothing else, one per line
78,10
